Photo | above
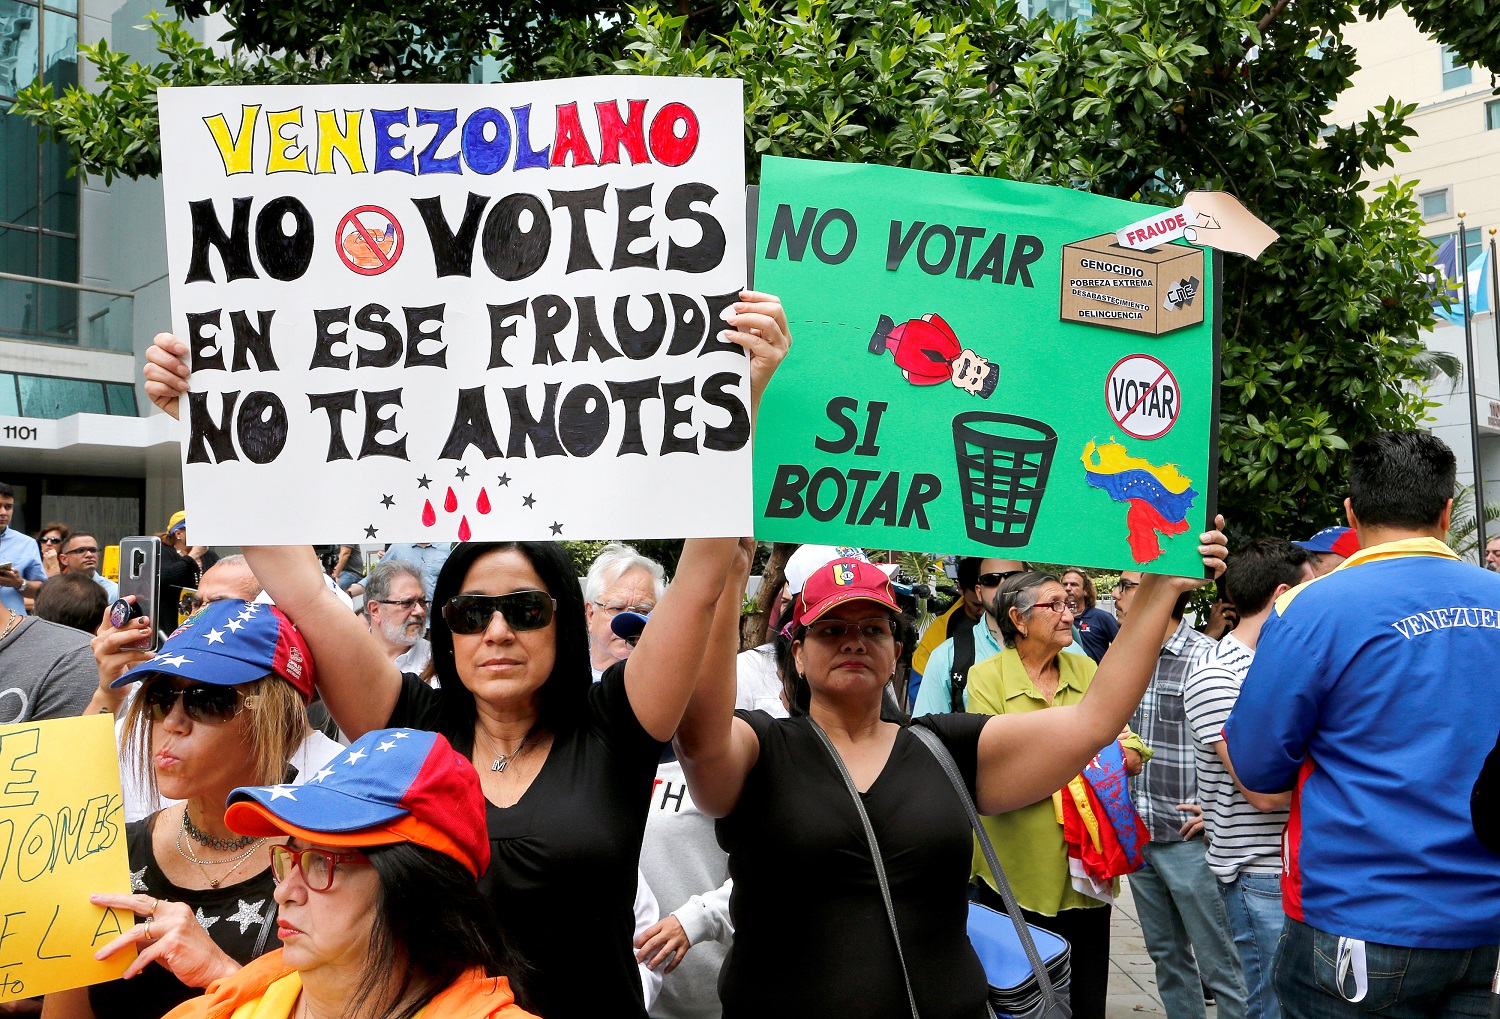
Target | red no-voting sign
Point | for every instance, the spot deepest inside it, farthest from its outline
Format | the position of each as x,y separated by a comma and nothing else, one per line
369,240
1142,396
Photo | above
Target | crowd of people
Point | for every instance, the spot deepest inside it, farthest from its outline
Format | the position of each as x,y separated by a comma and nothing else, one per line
495,786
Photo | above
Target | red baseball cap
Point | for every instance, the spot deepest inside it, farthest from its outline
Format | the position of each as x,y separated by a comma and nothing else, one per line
843,580
388,786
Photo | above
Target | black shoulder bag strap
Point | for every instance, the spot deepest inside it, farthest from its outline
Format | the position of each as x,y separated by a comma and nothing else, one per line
963,659
1055,1007
880,878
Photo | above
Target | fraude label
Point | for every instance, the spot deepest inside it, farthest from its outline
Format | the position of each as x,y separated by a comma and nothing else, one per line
1143,397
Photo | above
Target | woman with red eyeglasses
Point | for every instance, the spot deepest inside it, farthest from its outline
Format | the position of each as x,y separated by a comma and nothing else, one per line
222,704
378,911
566,765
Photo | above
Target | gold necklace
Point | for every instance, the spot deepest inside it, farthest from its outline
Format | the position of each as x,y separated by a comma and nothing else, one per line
186,852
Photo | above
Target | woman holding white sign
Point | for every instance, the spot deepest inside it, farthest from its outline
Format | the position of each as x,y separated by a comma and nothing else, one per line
566,765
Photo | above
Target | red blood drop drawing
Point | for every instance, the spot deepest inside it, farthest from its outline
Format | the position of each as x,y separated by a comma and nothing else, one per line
428,516
483,503
463,529
450,502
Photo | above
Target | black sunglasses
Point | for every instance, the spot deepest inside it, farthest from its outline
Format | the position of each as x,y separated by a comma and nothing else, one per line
525,610
202,702
996,579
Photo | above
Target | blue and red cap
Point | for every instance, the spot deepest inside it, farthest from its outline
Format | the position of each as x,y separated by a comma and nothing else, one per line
230,642
843,580
1341,541
388,786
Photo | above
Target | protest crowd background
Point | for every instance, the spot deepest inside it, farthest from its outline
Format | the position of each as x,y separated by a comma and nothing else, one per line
564,768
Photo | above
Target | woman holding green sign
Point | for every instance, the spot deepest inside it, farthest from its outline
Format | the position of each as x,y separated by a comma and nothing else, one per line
799,851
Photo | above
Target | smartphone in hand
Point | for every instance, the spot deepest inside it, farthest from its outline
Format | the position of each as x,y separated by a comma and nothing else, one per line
140,575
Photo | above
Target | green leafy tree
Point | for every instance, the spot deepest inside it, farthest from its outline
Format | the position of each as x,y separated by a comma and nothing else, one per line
1145,100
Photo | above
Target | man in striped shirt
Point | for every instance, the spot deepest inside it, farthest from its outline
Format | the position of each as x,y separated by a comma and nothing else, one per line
1176,896
1244,828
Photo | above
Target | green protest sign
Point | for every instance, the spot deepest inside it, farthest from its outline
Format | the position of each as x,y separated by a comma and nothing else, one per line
986,368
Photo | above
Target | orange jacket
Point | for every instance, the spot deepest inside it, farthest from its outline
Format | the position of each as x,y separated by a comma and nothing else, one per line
472,996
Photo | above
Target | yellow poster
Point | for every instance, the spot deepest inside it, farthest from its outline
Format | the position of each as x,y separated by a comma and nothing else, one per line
62,838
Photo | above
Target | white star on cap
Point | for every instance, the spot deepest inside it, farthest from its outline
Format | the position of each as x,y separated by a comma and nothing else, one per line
176,661
355,756
402,735
321,775
282,792
234,624
215,636
389,744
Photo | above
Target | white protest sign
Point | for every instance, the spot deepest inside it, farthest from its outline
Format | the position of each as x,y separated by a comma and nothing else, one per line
439,312
1168,225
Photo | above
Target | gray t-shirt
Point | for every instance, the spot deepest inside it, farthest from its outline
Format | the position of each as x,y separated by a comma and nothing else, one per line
46,671
1240,837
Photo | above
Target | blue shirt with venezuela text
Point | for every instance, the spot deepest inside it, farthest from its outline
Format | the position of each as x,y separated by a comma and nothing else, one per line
1374,696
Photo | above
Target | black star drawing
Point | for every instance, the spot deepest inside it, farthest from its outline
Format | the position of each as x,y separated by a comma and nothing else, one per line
370,531
529,501
556,528
423,481
387,501
504,480
463,474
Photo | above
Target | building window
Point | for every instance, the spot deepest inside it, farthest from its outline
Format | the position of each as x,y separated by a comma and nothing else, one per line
1435,204
38,200
1473,243
1061,10
1492,115
1455,75
45,396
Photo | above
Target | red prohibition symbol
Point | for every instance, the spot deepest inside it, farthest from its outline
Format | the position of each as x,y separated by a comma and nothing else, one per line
1143,396
369,240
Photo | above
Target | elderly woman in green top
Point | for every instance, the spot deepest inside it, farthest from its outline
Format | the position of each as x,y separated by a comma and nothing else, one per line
1035,672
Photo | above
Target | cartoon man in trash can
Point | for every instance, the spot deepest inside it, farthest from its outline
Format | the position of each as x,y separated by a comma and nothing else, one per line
929,353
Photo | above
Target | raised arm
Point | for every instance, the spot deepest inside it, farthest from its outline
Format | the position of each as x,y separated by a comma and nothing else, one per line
718,750
663,669
1026,757
355,678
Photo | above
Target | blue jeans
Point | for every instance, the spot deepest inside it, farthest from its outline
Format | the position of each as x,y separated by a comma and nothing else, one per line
1403,983
1183,917
1253,902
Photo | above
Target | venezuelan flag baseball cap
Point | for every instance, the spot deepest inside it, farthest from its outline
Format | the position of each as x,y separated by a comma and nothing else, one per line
230,642
388,786
177,522
841,581
1340,541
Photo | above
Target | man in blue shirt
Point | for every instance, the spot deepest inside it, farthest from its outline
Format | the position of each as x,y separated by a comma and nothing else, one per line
1373,697
425,556
935,694
21,572
80,554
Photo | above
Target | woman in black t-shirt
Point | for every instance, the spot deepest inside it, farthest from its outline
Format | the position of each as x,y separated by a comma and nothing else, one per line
566,765
798,854
223,705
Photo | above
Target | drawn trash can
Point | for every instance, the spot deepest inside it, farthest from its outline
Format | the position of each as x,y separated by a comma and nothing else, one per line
1003,462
